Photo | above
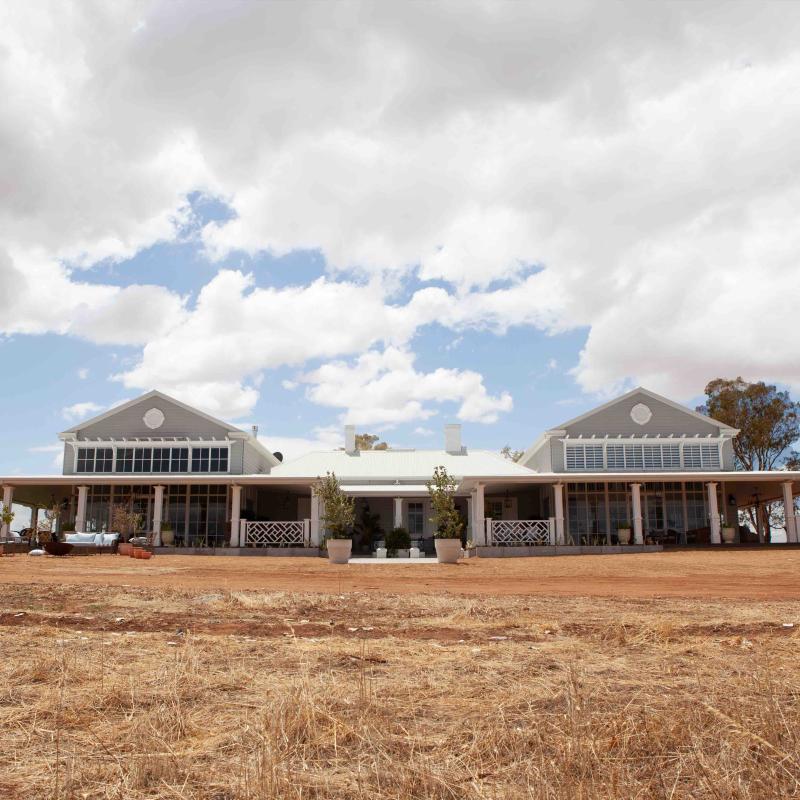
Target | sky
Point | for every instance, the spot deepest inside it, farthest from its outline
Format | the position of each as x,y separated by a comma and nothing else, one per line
398,215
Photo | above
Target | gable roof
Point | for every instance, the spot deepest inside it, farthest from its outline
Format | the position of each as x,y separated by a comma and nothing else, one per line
155,394
559,430
654,396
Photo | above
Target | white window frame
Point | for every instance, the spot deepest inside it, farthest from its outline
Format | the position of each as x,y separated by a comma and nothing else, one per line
134,444
579,459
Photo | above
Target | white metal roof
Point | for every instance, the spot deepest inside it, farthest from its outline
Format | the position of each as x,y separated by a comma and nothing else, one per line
391,465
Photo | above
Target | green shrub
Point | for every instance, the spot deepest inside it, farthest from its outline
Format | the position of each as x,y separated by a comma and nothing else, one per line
397,539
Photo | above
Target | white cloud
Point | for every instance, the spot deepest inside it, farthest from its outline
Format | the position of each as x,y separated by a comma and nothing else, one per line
291,447
384,388
57,452
642,158
79,411
83,373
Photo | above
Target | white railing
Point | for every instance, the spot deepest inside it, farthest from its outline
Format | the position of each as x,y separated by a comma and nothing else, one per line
515,532
291,533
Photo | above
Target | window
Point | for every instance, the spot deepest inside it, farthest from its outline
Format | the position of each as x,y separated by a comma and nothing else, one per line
586,509
179,460
91,459
207,512
709,454
104,459
416,519
671,456
588,456
691,456
85,459
210,459
142,459
161,459
98,508
645,456
125,459
494,509
615,456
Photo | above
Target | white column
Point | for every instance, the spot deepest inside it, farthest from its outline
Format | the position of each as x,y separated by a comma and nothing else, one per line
158,510
479,518
788,511
713,512
314,532
80,514
8,499
398,512
236,509
35,519
636,498
558,495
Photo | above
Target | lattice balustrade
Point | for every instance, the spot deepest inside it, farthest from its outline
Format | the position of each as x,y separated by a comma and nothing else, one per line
520,532
275,534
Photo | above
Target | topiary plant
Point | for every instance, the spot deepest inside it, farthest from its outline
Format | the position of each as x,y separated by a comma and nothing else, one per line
339,510
447,522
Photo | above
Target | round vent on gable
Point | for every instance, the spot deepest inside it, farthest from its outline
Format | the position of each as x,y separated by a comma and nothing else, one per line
153,418
641,414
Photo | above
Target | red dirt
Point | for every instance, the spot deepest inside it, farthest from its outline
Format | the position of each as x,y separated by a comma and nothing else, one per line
747,574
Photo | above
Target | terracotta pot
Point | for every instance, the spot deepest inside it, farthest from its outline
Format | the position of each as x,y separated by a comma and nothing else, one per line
624,535
167,537
144,555
124,549
448,551
339,550
136,552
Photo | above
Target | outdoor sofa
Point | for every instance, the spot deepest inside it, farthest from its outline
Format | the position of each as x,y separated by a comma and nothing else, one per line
103,541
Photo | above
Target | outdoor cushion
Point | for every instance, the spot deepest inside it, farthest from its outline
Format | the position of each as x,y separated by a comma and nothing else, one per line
109,539
36,552
80,538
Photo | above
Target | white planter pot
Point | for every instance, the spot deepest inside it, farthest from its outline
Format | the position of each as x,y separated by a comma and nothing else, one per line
448,551
728,534
624,535
339,550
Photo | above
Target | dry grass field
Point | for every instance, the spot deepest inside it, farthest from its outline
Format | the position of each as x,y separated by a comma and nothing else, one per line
659,676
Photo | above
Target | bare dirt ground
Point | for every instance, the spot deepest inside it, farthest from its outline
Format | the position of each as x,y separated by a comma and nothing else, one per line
645,676
744,574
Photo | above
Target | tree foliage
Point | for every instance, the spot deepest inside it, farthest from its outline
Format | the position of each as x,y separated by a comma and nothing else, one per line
768,421
447,523
6,515
511,455
339,510
368,441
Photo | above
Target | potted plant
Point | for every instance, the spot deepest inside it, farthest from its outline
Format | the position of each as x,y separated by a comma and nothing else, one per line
338,515
624,535
397,540
447,523
125,522
728,534
7,517
167,534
